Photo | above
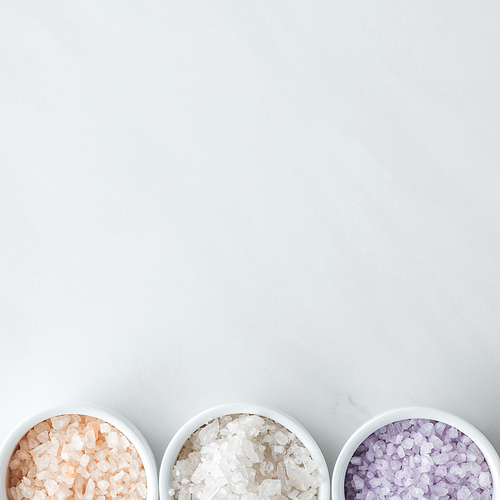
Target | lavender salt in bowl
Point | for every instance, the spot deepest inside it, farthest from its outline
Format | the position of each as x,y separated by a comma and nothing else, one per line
417,453
77,452
243,452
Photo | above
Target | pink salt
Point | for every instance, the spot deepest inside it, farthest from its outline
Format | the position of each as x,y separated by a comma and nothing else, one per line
70,457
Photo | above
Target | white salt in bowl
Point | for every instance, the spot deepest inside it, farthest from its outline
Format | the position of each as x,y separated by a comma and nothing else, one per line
121,423
184,433
383,419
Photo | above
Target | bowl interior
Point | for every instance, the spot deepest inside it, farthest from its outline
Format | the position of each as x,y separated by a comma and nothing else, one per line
369,427
114,419
196,422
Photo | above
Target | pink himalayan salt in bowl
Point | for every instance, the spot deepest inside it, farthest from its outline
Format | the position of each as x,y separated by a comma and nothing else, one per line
401,414
114,419
186,431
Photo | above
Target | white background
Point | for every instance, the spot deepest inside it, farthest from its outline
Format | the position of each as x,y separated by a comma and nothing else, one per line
281,202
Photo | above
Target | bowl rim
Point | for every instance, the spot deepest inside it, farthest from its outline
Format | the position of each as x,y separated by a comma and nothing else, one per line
110,416
404,413
202,418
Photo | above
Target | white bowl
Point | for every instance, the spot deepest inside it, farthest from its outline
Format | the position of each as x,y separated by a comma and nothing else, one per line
114,419
183,434
368,428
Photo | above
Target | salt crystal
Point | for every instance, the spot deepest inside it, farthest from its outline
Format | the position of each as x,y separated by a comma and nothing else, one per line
51,486
415,492
141,489
426,448
103,465
441,458
112,439
484,479
26,491
103,485
90,439
60,422
370,495
456,470
43,437
105,428
89,490
59,444
357,482
240,441
463,493
77,442
426,429
39,495
418,464
118,477
439,491
441,470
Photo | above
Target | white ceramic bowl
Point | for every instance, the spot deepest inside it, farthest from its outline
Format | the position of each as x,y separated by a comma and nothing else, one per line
368,428
116,420
183,434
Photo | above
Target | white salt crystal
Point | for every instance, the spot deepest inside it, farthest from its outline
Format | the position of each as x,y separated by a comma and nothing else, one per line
401,452
281,438
270,487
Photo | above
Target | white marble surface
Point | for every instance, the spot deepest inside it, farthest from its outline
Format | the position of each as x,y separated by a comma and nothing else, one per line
285,202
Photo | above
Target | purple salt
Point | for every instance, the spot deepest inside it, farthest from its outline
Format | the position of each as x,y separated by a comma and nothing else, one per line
418,459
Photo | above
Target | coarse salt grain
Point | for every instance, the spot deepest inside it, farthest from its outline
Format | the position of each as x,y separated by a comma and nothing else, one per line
68,456
244,457
422,459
